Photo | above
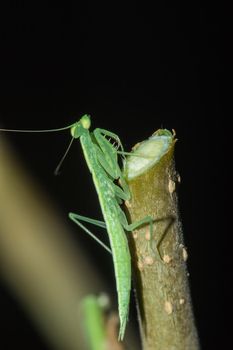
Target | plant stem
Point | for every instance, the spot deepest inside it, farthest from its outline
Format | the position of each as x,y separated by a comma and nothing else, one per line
161,280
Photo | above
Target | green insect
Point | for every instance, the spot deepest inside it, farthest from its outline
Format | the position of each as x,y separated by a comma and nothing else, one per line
102,159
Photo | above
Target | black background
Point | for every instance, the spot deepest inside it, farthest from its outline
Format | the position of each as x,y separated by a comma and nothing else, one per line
134,70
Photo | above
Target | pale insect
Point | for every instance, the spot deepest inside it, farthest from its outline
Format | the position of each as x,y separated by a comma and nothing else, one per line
102,160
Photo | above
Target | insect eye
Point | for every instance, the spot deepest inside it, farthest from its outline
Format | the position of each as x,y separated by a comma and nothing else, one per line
86,121
75,130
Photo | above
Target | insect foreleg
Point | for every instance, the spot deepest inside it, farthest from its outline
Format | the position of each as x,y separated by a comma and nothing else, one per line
102,133
108,160
106,163
77,218
107,157
121,193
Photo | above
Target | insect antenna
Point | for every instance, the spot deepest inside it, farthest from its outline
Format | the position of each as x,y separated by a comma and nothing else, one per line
37,131
56,171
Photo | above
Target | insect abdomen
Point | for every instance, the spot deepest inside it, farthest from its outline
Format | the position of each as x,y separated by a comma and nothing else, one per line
122,266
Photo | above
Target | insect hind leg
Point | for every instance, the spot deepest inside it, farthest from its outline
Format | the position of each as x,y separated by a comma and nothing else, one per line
77,218
146,220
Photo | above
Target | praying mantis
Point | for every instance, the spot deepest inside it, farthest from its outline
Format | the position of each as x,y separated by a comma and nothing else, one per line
101,156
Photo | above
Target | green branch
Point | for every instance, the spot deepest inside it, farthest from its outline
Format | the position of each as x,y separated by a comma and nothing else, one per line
100,325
